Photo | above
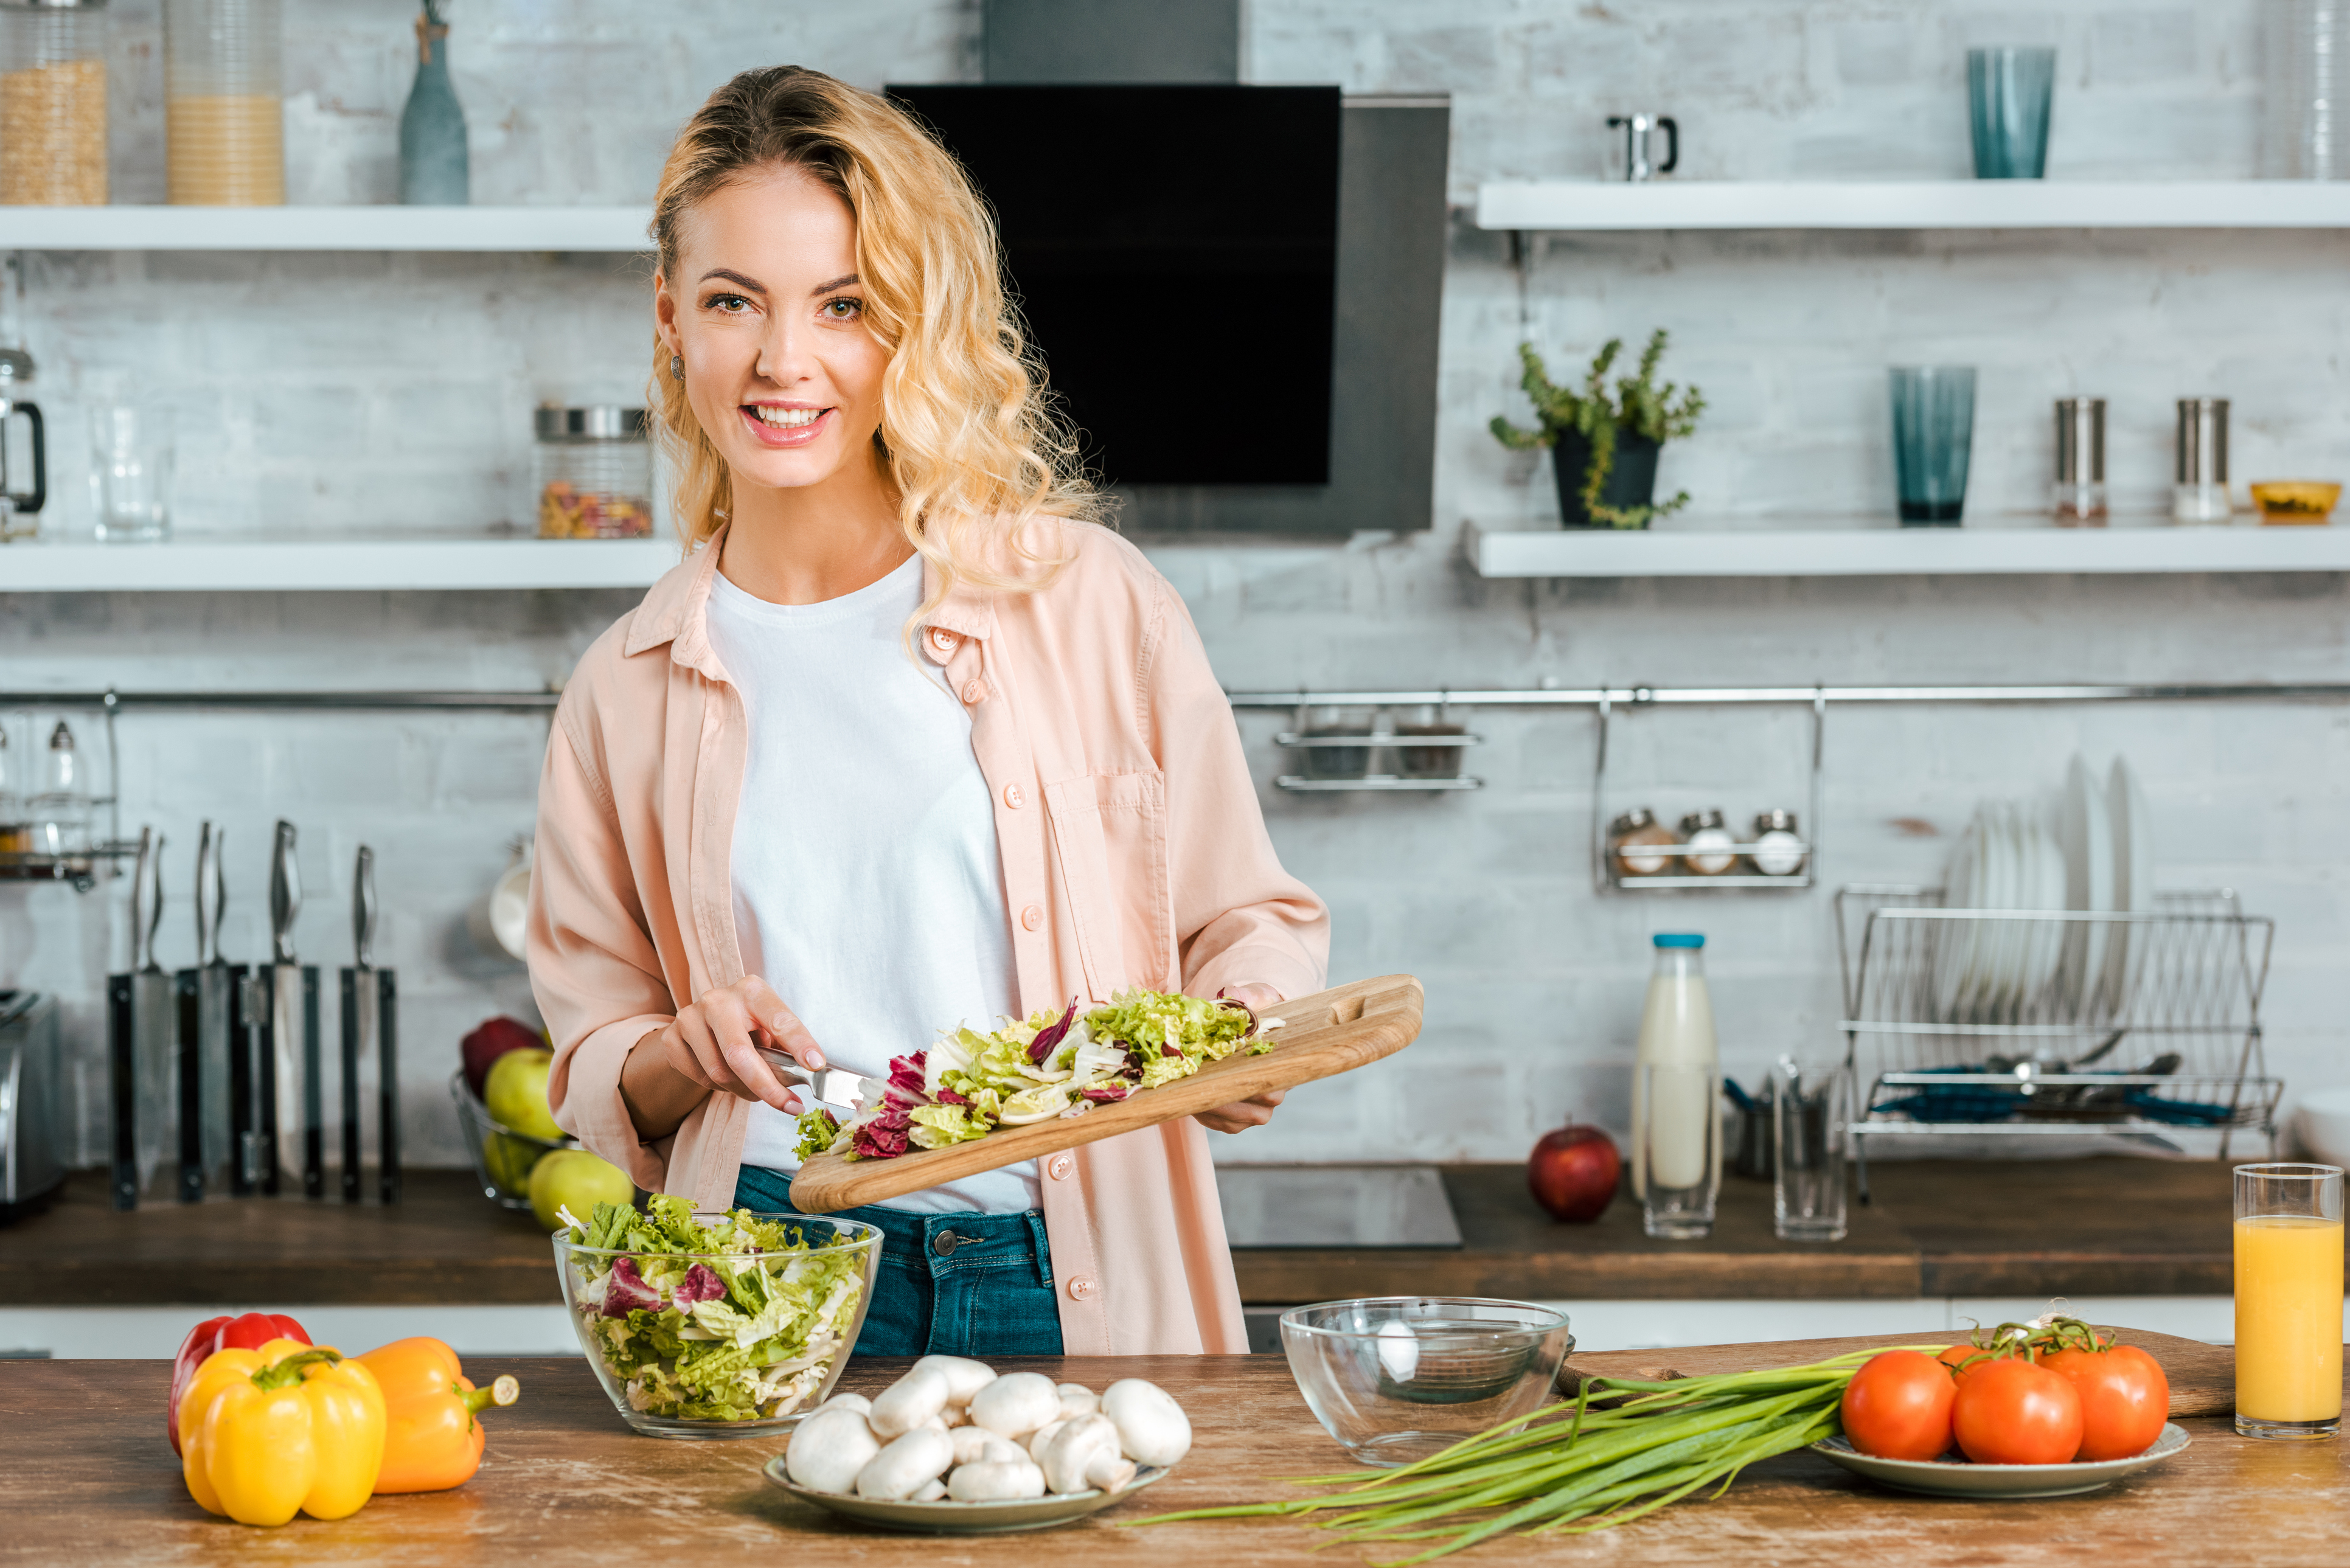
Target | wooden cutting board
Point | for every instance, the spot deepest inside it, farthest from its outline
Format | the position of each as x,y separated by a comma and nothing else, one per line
2202,1377
1322,1035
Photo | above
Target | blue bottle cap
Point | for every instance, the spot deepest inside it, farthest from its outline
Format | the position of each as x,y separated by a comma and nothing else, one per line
1679,939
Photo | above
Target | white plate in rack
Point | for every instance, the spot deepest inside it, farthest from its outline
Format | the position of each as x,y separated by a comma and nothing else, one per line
2088,885
2133,877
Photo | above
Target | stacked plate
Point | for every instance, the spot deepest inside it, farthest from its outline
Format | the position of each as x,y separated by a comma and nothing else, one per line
2097,859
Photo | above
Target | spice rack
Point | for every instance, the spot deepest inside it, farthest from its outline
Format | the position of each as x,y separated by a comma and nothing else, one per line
1381,736
1994,1021
1607,878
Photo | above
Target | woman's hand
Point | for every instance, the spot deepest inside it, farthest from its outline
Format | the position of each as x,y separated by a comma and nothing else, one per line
713,1044
1242,1115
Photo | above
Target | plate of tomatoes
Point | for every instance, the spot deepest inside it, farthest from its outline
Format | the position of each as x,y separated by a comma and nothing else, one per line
2047,1409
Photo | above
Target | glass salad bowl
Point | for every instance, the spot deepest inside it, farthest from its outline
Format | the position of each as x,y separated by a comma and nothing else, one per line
736,1335
503,1157
1397,1378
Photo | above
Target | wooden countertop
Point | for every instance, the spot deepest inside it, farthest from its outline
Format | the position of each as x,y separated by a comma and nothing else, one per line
88,1477
2079,1228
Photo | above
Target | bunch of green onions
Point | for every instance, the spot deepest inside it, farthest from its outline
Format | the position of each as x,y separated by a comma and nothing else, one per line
1623,1448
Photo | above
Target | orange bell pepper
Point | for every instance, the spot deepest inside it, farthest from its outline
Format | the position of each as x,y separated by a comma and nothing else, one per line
432,1439
265,1432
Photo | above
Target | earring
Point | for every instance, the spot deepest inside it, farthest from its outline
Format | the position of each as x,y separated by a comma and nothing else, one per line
677,367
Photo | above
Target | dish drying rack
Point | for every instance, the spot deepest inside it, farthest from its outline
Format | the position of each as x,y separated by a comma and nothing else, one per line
2015,1022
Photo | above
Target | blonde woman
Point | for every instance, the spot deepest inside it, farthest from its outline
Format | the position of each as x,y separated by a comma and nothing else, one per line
910,739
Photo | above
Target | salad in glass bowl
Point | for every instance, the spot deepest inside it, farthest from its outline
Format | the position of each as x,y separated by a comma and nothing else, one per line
705,1324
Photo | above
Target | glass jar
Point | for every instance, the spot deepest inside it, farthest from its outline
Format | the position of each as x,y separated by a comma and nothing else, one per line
1711,850
15,833
1325,729
1628,836
1425,760
1778,848
223,102
53,103
61,813
593,473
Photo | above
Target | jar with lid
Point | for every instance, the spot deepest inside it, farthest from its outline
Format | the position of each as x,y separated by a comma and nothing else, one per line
53,103
1629,840
15,833
1779,849
61,813
593,473
2079,491
1711,850
223,102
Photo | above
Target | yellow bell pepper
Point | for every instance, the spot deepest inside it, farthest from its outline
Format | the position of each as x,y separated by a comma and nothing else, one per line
284,1428
433,1441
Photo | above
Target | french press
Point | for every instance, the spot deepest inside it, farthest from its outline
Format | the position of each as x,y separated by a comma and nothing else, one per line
16,379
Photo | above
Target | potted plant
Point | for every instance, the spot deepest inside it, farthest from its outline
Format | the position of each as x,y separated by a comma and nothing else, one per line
1603,448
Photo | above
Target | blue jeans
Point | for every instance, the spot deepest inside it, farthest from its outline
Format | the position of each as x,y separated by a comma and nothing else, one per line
949,1284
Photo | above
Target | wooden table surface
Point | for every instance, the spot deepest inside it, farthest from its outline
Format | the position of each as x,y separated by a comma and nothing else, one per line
86,1476
1939,1228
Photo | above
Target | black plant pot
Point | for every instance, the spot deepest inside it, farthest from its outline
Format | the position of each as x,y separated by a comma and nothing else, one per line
1631,480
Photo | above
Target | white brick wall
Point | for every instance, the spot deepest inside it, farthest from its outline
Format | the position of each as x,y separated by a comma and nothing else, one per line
369,392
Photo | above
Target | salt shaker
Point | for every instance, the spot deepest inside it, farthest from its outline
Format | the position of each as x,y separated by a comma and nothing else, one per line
2079,492
2201,494
1712,849
1778,848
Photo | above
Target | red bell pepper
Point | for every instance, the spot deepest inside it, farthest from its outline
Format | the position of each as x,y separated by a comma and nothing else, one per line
249,1332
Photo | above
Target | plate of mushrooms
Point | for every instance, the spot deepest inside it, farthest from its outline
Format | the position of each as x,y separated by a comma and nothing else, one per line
954,1449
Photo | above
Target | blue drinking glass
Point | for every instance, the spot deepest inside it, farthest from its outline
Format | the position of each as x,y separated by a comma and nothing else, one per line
2008,91
1933,435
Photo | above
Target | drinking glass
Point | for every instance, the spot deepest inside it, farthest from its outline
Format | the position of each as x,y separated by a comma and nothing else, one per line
1679,1153
1933,436
131,459
2288,1301
2008,91
1811,1112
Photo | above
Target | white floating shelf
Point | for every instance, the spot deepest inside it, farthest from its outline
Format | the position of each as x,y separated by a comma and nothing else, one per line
266,565
353,228
1896,552
1566,205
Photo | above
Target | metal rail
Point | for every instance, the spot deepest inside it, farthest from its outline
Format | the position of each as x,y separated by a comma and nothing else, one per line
1642,696
473,701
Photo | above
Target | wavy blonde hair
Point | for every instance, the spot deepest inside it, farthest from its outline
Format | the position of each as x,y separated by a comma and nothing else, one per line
971,438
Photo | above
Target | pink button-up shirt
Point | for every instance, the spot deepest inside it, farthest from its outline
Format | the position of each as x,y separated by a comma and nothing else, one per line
1134,854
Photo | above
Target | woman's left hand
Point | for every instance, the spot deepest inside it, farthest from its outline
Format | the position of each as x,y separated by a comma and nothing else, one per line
1242,1115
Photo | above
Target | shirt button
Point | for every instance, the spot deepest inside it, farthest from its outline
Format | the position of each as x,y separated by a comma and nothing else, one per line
1061,1164
975,691
1081,1288
1032,916
945,641
1015,797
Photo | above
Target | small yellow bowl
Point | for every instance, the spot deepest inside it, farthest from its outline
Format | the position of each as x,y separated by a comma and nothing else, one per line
2297,500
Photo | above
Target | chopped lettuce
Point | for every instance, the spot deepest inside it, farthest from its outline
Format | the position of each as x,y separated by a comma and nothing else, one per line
819,1130
746,1326
936,1126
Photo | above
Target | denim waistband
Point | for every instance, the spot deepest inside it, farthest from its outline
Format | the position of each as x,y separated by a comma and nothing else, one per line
955,1243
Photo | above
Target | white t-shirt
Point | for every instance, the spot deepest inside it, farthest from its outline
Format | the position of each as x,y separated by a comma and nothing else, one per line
867,888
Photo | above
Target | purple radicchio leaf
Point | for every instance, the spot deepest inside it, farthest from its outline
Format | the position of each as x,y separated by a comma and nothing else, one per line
701,1284
625,1290
1169,1050
885,1136
1051,1034
949,1098
906,1072
1105,1095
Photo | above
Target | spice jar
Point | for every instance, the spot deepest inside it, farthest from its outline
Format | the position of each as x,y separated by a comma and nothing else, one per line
594,473
2079,492
1711,850
1778,848
53,103
223,102
2200,494
1425,760
1629,838
60,814
1327,735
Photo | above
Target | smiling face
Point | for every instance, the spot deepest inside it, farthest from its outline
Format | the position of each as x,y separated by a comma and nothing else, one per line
766,309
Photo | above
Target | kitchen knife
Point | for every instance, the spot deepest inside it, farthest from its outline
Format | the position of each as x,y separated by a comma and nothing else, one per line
121,1052
831,1085
300,1118
206,1142
153,1009
359,1014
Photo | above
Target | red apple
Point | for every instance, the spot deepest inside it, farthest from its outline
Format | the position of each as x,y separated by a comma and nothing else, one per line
492,1040
1571,1172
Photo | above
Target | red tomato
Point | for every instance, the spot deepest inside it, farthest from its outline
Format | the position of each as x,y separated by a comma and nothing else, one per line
2015,1413
2124,1398
1898,1407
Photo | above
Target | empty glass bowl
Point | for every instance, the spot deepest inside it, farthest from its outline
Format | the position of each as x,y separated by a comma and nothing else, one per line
1397,1378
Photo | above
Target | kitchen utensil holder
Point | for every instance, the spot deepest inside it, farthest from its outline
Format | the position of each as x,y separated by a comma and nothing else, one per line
2188,983
1606,878
1381,736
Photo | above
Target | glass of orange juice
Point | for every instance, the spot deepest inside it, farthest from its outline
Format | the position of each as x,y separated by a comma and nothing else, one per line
2289,1301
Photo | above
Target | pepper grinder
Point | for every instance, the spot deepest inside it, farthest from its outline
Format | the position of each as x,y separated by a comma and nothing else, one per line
2200,494
2080,488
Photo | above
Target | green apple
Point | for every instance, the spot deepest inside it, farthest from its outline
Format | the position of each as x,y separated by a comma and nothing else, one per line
516,1095
576,1178
509,1159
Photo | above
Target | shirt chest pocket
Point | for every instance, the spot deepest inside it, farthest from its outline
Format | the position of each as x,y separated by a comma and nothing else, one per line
1109,839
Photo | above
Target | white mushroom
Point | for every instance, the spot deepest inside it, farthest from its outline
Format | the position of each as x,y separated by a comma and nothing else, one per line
829,1448
994,1480
1042,1437
1076,1401
1084,1453
932,1491
955,1415
907,1403
964,1376
857,1402
977,1444
1152,1427
898,1470
1016,1404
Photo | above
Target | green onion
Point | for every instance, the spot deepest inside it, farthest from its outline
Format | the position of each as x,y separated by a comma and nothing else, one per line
1572,1467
